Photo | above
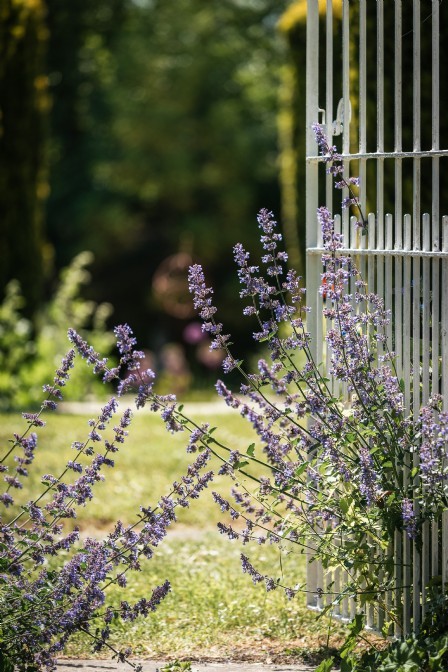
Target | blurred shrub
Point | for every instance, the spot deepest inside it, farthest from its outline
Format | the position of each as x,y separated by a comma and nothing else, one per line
28,361
16,346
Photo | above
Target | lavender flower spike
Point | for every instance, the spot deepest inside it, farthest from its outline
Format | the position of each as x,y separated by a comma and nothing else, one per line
409,521
201,293
202,301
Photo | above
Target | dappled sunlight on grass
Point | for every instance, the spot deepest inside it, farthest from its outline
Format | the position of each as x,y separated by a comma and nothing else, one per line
214,610
146,466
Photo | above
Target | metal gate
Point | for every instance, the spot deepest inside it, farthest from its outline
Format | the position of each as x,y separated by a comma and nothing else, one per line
375,80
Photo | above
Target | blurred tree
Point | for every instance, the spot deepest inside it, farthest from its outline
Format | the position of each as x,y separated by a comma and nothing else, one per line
164,126
24,104
79,62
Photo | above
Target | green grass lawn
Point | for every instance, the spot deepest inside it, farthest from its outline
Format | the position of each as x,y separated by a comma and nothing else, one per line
214,611
146,465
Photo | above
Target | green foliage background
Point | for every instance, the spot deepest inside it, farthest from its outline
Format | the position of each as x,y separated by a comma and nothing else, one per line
137,131
147,131
24,106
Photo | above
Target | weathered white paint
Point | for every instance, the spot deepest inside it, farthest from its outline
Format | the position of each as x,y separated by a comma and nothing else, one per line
404,257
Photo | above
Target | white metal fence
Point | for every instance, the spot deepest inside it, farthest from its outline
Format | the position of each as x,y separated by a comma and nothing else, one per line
373,70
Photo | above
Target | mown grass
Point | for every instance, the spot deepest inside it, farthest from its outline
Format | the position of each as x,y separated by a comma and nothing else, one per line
214,611
145,467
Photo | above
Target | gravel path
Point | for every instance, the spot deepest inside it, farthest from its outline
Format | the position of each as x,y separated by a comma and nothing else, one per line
218,407
153,665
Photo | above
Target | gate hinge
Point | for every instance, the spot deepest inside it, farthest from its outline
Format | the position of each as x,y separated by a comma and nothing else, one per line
338,123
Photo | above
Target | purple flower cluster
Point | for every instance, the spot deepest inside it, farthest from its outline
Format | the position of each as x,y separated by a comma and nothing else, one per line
409,519
43,607
333,437
27,444
134,378
332,442
433,447
335,167
270,583
202,300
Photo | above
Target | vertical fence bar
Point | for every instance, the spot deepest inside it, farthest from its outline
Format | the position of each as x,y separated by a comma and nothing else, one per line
444,382
371,246
329,95
398,112
416,111
426,307
435,354
425,368
388,275
435,95
435,382
388,304
398,298
416,104
435,110
362,258
312,196
401,552
380,109
407,224
327,579
380,246
380,270
398,347
416,401
362,103
355,244
337,386
346,96
380,148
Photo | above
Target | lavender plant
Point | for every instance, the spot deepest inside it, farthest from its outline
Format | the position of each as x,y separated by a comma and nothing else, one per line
329,474
44,601
336,468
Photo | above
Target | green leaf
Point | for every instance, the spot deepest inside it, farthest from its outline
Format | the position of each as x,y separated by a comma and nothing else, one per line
436,662
299,471
326,665
355,627
269,337
177,666
6,665
251,450
344,505
241,465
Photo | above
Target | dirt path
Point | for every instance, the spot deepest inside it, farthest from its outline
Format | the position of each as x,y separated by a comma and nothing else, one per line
70,665
218,407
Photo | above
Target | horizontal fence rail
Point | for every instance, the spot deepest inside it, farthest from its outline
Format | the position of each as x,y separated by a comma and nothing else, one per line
365,60
435,153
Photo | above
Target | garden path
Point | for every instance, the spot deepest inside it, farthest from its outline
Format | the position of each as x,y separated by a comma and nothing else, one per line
69,665
217,407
